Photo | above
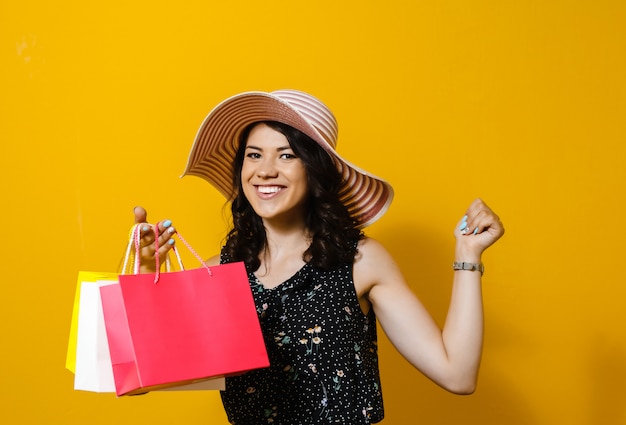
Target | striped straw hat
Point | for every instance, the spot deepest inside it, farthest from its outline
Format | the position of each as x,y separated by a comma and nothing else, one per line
366,196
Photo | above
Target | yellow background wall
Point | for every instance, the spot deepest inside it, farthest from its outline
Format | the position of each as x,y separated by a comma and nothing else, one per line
521,103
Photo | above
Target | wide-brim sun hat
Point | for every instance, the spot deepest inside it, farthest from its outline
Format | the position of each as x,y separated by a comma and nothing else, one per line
366,196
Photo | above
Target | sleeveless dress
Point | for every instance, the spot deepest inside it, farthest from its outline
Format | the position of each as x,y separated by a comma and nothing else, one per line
322,351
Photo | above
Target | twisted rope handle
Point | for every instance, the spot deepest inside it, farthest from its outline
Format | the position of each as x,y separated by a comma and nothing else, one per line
134,239
131,240
156,250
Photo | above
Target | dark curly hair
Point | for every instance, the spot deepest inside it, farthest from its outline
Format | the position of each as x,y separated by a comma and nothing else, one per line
335,234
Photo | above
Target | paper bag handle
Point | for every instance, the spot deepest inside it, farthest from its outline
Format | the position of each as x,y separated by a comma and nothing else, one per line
127,254
156,247
135,240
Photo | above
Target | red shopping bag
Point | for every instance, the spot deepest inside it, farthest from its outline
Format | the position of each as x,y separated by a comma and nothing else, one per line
189,326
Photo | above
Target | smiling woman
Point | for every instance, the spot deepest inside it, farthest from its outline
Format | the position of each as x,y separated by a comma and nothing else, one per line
320,285
322,212
273,179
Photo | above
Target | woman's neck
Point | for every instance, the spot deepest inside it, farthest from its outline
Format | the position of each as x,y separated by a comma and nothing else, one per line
283,254
283,241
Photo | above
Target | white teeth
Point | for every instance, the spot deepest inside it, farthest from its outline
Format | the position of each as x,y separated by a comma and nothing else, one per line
268,189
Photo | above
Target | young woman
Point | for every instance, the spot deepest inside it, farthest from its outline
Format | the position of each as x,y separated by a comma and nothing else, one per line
320,285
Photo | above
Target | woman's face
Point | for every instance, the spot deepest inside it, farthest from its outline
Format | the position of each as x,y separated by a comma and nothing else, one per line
274,180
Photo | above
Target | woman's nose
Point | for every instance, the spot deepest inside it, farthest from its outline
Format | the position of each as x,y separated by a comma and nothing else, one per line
267,169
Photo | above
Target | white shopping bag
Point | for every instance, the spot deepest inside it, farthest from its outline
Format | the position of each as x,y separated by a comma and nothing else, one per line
94,371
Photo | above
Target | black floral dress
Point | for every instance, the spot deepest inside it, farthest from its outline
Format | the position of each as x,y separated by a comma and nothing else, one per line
323,355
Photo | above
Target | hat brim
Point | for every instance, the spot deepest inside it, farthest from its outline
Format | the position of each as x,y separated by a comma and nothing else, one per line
366,196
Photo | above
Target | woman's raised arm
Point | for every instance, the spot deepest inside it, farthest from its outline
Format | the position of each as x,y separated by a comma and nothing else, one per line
449,356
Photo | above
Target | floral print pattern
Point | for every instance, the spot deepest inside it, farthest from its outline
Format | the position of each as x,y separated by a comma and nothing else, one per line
323,355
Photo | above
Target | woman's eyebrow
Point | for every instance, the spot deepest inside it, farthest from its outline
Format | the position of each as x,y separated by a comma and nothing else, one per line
278,149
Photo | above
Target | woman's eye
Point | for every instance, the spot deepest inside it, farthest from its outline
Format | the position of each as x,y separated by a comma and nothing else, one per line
288,156
253,155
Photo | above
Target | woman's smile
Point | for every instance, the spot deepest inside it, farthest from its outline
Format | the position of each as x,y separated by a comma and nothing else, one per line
269,190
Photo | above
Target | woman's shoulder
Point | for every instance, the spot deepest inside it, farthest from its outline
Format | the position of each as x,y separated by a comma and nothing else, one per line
373,265
372,258
369,246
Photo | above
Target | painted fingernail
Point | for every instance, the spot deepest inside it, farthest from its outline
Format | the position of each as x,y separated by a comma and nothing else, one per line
463,225
171,230
167,223
476,230
145,228
170,241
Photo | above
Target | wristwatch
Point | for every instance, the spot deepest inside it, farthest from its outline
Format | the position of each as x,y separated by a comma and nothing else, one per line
469,266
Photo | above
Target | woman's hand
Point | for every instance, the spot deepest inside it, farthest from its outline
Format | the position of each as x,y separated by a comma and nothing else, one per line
147,260
478,230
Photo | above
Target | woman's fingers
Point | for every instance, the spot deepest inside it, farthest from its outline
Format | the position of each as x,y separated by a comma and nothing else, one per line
480,217
147,246
166,231
141,215
481,222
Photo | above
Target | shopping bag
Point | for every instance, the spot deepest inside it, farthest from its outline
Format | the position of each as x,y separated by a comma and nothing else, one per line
183,327
88,352
94,312
88,278
93,362
92,278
